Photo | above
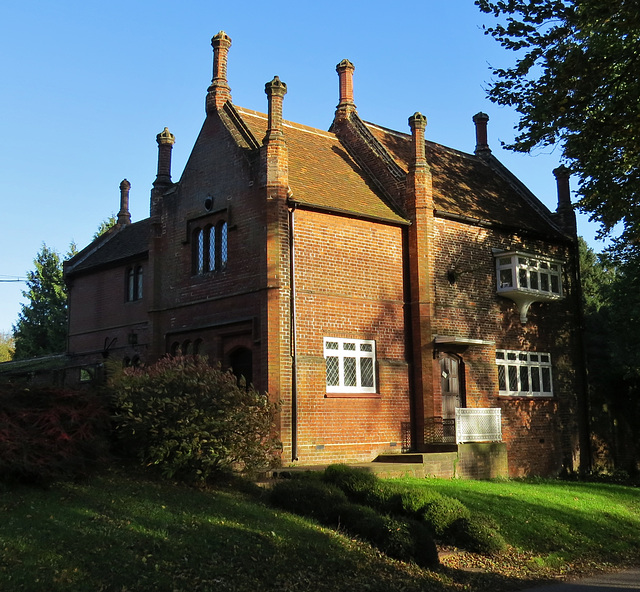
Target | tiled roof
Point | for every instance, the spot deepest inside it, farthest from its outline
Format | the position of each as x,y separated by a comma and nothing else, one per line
117,245
466,185
322,174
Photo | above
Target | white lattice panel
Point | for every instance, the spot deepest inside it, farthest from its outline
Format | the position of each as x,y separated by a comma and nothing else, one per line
478,425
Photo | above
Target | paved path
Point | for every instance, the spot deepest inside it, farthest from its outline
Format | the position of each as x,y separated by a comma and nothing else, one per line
614,582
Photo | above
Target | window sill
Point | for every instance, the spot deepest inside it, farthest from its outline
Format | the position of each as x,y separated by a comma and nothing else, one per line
527,397
353,396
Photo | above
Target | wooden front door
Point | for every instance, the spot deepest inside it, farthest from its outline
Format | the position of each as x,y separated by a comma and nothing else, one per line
452,377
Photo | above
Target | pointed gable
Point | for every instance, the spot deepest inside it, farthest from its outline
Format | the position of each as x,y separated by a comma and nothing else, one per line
321,173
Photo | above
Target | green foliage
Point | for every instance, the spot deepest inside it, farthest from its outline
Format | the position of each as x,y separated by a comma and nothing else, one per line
359,484
611,288
6,347
404,539
474,534
574,83
105,226
191,420
308,497
440,513
42,324
49,434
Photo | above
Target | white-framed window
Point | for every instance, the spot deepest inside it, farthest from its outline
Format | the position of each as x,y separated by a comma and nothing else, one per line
350,365
529,273
524,374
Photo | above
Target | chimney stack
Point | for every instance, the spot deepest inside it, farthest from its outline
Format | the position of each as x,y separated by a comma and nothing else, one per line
345,74
565,210
275,92
165,141
482,146
219,91
418,123
124,217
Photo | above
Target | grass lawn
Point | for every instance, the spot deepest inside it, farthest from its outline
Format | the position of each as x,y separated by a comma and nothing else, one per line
123,532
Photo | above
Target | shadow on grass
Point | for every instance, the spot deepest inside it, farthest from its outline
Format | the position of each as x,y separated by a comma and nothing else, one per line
119,533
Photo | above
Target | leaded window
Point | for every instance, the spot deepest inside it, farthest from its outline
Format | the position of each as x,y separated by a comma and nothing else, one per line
350,365
525,374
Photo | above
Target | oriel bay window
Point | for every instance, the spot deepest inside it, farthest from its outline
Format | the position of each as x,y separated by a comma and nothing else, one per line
350,365
526,278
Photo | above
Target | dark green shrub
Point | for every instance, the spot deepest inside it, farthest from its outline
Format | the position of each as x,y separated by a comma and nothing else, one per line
441,512
406,540
412,501
191,420
357,483
47,434
475,534
308,497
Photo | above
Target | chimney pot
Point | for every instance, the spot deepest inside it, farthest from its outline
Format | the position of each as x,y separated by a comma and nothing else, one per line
482,145
275,90
418,124
165,141
219,91
124,217
345,71
565,209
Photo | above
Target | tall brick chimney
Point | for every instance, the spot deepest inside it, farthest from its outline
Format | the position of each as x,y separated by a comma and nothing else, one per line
165,140
346,105
276,158
124,217
219,91
482,145
565,211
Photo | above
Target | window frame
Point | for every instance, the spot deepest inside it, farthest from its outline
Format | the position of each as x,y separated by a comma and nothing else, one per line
358,354
210,247
134,283
523,369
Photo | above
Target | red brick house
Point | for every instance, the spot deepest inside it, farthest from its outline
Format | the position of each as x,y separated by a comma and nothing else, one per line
393,293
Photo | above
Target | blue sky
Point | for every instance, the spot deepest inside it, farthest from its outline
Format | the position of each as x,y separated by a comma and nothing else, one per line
86,86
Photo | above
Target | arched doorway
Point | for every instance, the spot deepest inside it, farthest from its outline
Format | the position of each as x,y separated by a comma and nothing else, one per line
241,363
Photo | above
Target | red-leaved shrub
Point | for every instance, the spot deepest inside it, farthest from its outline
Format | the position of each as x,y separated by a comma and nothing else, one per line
47,434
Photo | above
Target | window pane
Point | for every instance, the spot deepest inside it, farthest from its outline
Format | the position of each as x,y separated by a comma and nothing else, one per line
332,345
555,284
523,357
535,379
543,358
513,378
544,265
350,346
522,261
211,255
533,357
499,355
200,251
333,374
506,278
350,372
524,378
511,355
366,347
505,260
522,278
139,282
366,372
223,246
502,381
533,280
546,380
130,285
544,282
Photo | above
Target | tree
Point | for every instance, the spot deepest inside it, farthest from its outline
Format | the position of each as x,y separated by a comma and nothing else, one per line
611,289
6,347
42,324
574,84
105,225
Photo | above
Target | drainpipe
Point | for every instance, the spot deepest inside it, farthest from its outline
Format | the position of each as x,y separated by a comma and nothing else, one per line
294,352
